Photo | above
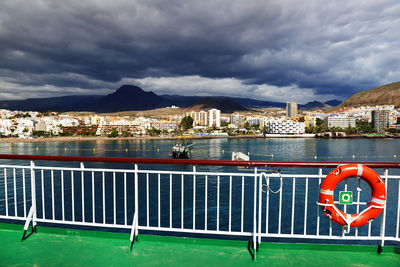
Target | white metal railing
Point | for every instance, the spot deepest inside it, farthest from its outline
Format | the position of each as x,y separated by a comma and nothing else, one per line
201,202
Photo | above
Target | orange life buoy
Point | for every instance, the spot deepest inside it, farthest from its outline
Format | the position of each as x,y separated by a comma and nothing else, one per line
375,206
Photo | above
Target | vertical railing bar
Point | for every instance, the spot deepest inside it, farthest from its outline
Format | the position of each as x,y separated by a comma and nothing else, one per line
170,201
280,210
230,203
5,190
267,206
318,208
398,210
345,189
136,214
24,190
159,201
330,228
305,207
242,207
358,206
73,195
218,196
62,196
255,210
259,207
147,199
15,192
83,191
52,194
104,196
383,220
125,202
43,207
93,200
194,197
114,199
293,202
182,203
369,229
205,201
33,193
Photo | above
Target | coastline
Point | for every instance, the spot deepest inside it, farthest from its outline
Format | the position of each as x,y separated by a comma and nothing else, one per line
106,139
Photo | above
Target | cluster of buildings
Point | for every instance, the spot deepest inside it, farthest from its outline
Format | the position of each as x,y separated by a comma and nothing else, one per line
381,118
28,124
211,118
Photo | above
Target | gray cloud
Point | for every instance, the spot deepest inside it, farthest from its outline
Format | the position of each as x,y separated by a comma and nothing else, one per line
273,48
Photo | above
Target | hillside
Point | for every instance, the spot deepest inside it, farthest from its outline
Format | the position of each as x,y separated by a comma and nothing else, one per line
128,97
62,103
134,98
388,94
226,105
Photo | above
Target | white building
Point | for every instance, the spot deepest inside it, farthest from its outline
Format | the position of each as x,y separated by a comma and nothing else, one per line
237,119
168,126
339,121
214,118
24,128
254,120
96,120
199,118
291,109
5,127
285,127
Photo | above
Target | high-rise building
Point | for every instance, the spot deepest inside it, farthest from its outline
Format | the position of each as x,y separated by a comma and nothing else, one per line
199,118
214,118
291,109
380,119
237,119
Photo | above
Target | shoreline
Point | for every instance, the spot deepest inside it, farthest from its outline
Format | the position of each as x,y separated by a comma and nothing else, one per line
106,139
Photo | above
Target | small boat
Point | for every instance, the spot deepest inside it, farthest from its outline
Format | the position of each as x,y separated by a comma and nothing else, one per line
180,151
239,156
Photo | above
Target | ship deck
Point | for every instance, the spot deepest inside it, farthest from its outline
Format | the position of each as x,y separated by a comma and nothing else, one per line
64,247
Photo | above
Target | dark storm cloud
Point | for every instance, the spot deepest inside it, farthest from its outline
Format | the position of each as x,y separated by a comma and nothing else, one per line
324,48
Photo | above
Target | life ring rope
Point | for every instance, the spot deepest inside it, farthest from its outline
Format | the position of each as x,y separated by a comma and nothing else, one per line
375,206
348,218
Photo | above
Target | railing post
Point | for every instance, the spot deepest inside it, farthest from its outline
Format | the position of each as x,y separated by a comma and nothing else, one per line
136,199
33,196
318,208
255,211
134,230
82,166
383,221
194,198
259,207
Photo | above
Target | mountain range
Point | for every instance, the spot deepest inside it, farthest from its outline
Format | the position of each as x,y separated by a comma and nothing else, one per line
130,97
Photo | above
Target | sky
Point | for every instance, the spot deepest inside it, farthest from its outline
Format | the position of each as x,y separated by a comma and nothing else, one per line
282,50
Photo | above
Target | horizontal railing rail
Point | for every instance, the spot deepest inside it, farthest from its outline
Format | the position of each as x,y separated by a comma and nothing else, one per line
259,203
198,162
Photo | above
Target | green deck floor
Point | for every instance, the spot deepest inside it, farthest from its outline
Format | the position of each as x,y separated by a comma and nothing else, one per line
61,247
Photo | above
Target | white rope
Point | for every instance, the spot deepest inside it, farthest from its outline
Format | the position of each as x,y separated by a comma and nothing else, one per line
267,182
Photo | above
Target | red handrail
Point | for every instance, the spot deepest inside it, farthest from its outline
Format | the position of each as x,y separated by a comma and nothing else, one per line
306,164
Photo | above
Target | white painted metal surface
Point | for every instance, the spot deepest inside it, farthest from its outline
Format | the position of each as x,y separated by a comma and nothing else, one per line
200,202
